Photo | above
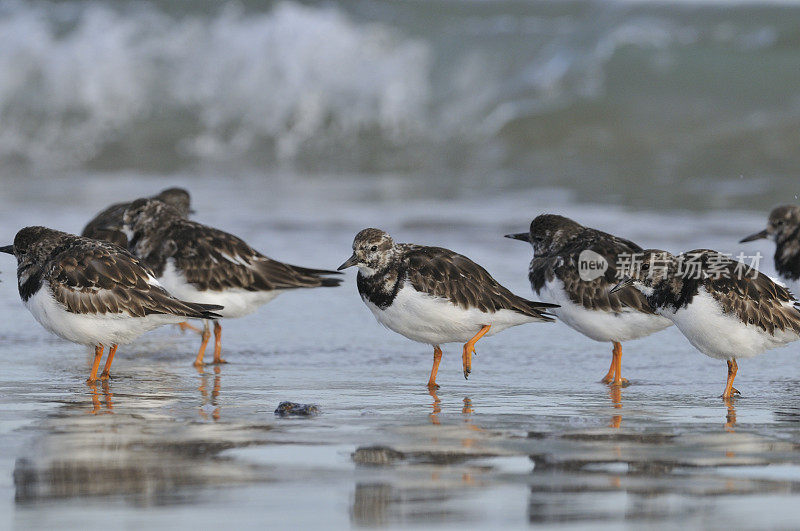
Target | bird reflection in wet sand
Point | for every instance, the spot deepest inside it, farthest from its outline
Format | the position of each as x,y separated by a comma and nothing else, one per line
107,396
730,416
467,409
437,406
210,400
615,393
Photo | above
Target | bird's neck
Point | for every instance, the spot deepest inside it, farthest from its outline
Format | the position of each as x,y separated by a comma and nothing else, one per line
381,287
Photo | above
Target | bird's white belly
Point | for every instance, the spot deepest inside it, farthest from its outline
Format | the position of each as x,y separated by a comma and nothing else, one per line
91,329
601,325
435,321
720,335
237,302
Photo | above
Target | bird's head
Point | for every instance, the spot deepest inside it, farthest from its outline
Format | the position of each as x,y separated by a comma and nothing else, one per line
373,250
783,223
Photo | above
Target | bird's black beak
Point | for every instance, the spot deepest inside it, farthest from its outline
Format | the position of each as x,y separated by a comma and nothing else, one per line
192,211
756,236
625,282
349,263
522,236
9,249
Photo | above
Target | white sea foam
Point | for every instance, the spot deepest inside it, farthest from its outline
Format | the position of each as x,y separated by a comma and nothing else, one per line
75,80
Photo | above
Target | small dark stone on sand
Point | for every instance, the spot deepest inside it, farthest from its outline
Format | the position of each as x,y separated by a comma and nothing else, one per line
293,409
376,455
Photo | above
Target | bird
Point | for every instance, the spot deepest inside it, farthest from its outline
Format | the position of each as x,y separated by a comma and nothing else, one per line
93,292
726,309
107,224
783,227
435,296
203,264
560,247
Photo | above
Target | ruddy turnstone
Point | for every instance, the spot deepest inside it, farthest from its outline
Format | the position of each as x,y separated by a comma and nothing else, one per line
435,296
726,309
561,248
203,264
107,225
783,227
93,292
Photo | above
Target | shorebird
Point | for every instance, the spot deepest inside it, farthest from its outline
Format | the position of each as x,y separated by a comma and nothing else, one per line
107,224
93,292
203,264
726,309
434,296
561,248
783,227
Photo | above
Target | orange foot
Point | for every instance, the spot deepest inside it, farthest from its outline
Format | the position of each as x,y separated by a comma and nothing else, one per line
734,391
218,361
622,383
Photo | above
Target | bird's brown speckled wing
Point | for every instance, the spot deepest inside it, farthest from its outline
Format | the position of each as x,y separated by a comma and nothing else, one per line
444,273
758,301
211,259
594,294
95,277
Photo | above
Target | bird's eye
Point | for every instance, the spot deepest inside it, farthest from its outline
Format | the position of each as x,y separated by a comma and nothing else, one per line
373,248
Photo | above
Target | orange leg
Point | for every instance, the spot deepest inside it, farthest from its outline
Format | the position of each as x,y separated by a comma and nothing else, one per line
106,374
437,357
729,388
98,355
469,348
218,343
186,326
609,377
618,379
198,362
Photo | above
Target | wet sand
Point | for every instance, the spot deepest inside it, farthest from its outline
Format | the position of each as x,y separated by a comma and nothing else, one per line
531,438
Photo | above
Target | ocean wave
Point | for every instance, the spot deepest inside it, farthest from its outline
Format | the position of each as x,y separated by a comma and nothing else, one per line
502,89
97,82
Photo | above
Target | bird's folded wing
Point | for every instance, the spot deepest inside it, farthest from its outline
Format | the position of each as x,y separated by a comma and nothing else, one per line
211,259
107,280
444,273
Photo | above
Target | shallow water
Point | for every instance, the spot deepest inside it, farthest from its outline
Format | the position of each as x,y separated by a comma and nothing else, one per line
530,438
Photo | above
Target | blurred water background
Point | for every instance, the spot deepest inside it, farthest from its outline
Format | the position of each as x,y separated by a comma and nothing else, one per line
656,105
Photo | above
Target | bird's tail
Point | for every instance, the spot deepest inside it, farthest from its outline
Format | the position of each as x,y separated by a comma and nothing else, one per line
291,276
202,311
541,308
325,282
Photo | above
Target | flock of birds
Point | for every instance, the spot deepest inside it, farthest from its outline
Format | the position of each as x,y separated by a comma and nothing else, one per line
143,264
